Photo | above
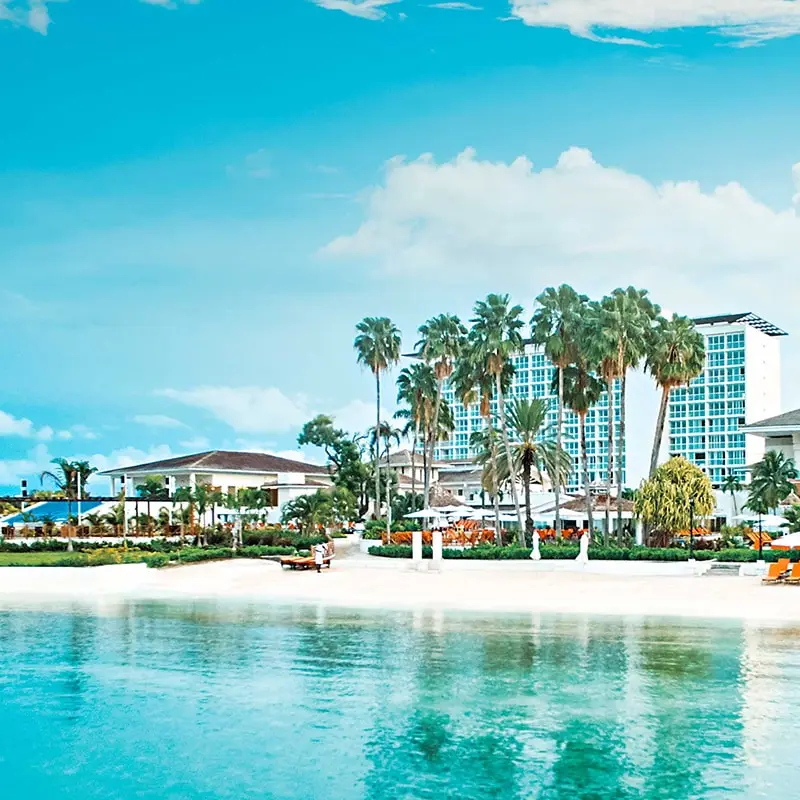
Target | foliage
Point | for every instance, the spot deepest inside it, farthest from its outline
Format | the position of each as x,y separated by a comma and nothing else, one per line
153,488
323,508
663,502
771,482
792,516
68,475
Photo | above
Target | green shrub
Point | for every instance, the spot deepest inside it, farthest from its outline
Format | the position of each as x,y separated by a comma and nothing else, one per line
157,560
256,551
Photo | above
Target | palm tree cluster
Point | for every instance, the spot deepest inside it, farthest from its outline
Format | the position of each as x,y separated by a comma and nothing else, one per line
592,345
771,482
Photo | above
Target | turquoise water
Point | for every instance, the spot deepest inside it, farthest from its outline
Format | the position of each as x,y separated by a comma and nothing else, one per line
170,701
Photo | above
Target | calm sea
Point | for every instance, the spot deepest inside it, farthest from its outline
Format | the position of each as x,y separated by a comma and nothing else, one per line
206,701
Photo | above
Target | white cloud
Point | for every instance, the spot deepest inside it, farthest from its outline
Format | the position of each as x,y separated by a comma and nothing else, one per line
195,444
596,226
31,14
24,428
13,470
256,446
744,21
247,409
170,3
158,421
366,9
456,6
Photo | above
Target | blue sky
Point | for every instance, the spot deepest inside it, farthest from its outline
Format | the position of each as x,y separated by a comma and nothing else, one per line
199,200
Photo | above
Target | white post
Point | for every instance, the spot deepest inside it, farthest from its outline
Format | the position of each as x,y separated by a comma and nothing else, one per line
124,506
639,533
436,541
535,553
78,480
583,555
416,549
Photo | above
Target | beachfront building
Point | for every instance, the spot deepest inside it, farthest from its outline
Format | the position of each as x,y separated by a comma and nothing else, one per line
227,471
780,433
409,469
533,377
740,384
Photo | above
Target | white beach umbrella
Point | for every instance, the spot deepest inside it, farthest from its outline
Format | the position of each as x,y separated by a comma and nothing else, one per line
426,513
769,522
481,513
790,541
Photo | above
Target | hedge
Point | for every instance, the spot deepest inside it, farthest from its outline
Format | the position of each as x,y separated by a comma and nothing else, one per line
550,552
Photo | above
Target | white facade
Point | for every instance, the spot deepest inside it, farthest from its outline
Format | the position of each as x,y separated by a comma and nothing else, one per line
739,385
533,377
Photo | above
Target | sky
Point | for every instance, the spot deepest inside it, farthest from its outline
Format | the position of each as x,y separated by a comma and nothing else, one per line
200,199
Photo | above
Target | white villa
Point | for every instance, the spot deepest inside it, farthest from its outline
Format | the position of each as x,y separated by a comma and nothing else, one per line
227,471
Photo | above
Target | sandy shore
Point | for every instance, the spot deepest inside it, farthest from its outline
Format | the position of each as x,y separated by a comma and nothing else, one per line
506,587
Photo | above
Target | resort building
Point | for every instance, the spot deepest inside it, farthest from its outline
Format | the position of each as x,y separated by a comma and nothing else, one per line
410,470
740,384
533,377
227,471
781,433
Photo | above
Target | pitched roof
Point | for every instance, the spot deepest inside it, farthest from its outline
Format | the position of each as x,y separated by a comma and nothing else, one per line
790,419
223,461
753,320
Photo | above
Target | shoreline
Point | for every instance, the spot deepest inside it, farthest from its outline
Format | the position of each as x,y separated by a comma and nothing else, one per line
512,589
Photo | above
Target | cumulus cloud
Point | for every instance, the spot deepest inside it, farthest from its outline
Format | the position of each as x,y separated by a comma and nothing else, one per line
456,6
743,21
158,421
13,470
366,9
595,225
24,428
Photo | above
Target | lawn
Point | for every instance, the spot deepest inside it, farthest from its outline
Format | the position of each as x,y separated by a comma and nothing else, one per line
30,559
63,559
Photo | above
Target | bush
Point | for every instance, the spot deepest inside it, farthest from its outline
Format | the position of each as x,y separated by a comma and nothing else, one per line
256,551
157,560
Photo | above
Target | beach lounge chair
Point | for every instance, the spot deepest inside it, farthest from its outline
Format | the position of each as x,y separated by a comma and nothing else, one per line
776,571
794,575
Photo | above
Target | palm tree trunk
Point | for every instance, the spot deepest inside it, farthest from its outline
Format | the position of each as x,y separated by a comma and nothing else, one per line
414,466
610,460
377,444
659,434
526,477
557,473
495,489
620,451
388,496
512,476
585,469
434,435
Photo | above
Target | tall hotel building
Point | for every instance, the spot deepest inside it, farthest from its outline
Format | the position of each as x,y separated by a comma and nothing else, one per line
740,384
533,377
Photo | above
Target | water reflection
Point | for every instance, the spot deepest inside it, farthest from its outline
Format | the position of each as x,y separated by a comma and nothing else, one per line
232,701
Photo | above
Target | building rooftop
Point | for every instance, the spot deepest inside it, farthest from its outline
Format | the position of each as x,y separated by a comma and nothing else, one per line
221,461
748,318
788,421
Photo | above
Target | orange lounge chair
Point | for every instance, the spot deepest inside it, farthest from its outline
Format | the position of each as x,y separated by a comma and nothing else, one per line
794,575
776,571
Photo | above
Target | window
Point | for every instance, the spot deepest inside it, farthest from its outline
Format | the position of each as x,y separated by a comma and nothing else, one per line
717,459
716,425
736,441
676,411
716,375
735,357
677,426
716,409
735,340
716,442
697,426
716,360
716,343
716,392
678,395
735,374
697,393
736,390
736,407
697,409
736,458
677,444
697,442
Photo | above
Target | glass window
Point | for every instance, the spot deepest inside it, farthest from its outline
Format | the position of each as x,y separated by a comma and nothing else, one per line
735,340
716,360
716,392
717,458
697,393
736,407
697,442
716,442
697,409
697,426
735,357
736,390
716,343
736,458
716,409
677,410
677,444
716,425
678,395
736,441
716,375
677,426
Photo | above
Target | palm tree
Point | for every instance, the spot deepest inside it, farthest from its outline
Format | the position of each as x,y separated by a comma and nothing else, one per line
416,387
622,323
556,325
676,355
388,434
377,346
582,390
484,444
730,485
442,340
495,337
532,451
771,481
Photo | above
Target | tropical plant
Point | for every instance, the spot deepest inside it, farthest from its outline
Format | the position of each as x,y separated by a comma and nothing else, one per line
70,479
582,389
664,502
621,331
442,340
533,451
676,355
494,338
556,326
417,391
792,516
730,485
377,346
484,444
771,482
387,434
323,508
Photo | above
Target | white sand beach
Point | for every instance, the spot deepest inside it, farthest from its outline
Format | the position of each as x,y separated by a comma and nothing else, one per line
391,584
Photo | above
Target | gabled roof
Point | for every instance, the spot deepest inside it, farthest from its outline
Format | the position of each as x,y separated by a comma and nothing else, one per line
748,318
221,461
787,422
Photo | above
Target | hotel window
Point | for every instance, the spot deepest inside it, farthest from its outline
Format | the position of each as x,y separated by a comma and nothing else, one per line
736,390
736,407
735,424
522,376
539,390
676,411
677,426
735,340
716,409
716,343
716,360
735,374
697,409
735,357
717,459
716,392
697,393
716,442
602,414
736,441
697,426
736,458
716,376
716,425
678,395
697,442
677,444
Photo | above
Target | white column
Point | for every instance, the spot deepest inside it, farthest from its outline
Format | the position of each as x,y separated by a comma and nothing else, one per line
125,485
436,537
639,532
416,549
